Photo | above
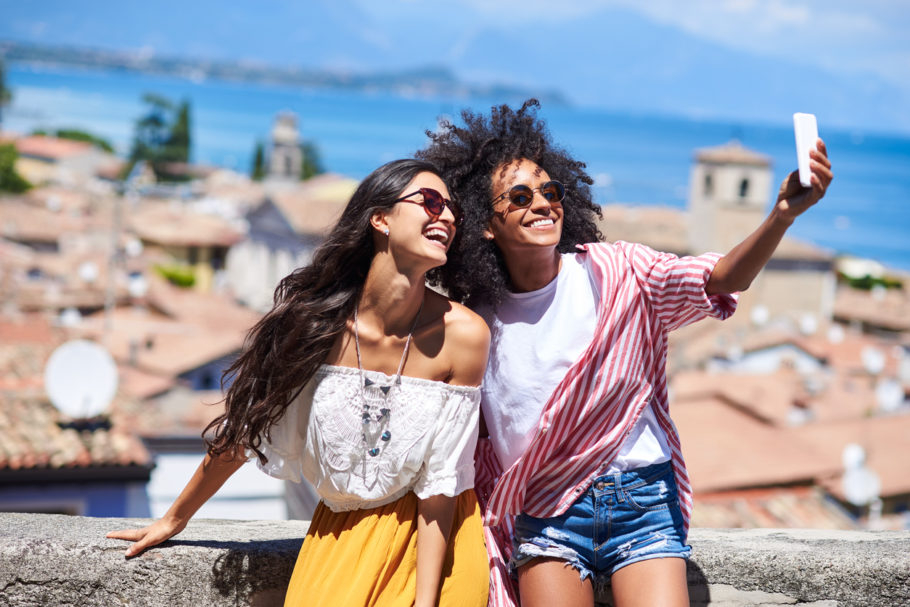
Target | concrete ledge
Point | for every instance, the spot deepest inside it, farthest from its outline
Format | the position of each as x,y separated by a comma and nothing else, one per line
62,560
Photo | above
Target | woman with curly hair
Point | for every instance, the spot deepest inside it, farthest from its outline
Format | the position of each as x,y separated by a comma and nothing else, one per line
364,382
581,448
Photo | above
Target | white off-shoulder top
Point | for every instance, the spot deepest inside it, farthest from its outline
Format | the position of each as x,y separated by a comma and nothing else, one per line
430,449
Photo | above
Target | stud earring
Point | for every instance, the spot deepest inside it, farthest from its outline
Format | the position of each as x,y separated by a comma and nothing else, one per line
386,231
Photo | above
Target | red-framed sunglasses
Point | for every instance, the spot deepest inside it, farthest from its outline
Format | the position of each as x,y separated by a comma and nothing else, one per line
434,204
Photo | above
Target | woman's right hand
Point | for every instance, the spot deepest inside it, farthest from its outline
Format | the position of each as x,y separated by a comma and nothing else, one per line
208,478
159,531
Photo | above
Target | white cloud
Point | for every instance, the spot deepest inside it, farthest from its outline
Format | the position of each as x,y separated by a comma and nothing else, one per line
833,34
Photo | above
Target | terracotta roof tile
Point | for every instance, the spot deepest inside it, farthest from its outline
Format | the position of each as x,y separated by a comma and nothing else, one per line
166,225
51,147
779,508
179,412
888,309
30,438
24,222
727,449
314,206
886,440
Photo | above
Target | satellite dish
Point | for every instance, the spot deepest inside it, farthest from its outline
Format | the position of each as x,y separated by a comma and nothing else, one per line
133,247
760,315
808,324
69,317
836,334
88,272
137,286
873,360
80,378
889,394
860,484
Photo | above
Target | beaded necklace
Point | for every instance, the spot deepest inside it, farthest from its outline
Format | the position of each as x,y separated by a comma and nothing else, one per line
376,411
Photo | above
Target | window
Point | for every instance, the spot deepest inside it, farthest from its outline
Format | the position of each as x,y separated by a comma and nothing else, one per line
709,185
743,188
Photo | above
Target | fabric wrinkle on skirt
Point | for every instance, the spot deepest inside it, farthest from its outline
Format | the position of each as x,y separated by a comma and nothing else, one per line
368,558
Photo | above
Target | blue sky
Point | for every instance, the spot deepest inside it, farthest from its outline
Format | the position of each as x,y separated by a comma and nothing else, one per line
757,58
869,36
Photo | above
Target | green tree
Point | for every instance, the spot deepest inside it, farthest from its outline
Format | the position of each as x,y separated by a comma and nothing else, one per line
6,95
177,147
257,171
10,180
312,162
162,135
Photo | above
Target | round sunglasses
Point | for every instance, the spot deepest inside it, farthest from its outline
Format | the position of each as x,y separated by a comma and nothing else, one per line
434,204
521,195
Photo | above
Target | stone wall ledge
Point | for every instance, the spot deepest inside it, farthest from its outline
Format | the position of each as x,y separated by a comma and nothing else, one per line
66,560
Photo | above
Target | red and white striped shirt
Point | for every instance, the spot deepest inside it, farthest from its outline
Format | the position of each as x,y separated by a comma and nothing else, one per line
642,295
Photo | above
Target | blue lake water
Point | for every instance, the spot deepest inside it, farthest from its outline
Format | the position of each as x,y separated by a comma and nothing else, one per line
635,159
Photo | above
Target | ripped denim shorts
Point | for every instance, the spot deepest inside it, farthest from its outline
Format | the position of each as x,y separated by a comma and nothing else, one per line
621,519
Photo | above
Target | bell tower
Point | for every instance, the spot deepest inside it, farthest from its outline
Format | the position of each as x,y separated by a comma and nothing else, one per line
285,155
729,190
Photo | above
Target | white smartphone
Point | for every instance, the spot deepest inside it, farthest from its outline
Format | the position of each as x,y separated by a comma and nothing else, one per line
805,128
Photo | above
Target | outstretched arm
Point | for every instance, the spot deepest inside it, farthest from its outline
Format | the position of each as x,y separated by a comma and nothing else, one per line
738,268
208,478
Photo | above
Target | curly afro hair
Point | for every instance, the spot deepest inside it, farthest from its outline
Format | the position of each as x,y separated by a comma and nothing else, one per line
467,156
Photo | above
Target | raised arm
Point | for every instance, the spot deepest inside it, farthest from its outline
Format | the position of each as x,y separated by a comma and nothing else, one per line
208,478
738,268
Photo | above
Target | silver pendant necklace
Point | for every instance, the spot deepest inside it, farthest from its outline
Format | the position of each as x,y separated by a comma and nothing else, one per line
376,411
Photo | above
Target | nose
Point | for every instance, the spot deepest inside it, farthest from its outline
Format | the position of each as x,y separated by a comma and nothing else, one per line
447,215
540,202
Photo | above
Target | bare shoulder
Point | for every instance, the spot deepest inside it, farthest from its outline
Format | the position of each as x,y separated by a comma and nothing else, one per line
466,343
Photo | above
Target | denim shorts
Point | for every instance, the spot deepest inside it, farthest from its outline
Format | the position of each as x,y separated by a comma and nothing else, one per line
621,519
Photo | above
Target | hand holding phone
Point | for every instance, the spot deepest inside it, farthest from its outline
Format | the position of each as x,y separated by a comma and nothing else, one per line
805,128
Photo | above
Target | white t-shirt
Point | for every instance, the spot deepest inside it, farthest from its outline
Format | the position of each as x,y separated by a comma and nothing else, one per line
536,337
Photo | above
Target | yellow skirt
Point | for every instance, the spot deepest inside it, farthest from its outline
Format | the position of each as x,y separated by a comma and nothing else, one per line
368,558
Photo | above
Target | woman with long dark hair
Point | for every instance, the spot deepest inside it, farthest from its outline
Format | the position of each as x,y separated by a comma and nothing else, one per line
581,448
363,381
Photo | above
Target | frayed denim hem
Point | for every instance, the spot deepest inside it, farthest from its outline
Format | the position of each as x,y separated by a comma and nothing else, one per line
541,548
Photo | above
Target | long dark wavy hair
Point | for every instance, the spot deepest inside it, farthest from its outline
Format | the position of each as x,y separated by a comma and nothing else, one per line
467,156
312,304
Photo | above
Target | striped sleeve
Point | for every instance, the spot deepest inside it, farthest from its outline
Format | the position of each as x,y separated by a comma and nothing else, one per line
675,286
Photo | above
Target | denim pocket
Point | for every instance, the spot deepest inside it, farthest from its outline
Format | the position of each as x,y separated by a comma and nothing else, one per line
656,495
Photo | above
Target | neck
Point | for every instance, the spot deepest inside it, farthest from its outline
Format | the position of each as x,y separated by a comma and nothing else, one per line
533,269
390,299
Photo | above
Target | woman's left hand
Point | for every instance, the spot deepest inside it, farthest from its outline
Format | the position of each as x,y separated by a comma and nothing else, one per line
794,198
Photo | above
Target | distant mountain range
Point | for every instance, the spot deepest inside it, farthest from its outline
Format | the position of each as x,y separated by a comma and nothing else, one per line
429,80
614,59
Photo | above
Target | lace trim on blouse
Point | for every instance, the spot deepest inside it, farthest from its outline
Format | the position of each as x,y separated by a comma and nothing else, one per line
433,429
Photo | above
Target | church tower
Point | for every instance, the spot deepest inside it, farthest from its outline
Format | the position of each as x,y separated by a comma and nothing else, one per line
285,155
729,192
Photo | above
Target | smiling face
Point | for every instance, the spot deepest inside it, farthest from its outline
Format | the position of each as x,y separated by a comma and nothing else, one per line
412,233
538,225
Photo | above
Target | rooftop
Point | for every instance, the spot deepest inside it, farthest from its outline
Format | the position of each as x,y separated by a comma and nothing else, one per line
33,440
742,452
51,148
171,225
667,229
314,206
732,153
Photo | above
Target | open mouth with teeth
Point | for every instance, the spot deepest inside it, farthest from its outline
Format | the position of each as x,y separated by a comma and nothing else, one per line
437,235
541,223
